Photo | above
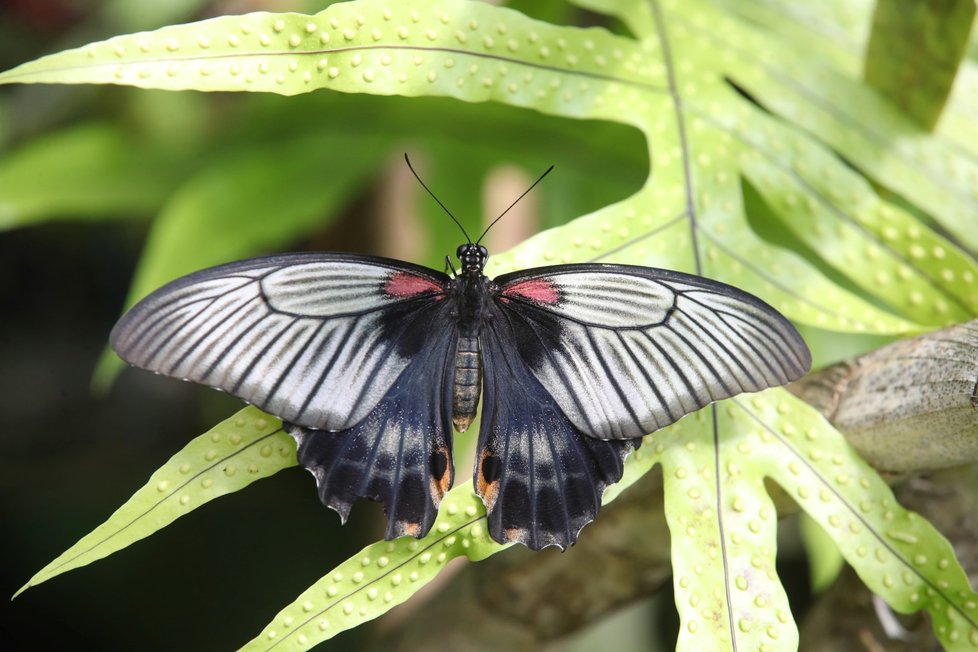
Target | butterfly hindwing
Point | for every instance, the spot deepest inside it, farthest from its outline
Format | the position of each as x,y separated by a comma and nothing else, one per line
539,476
627,350
400,454
315,339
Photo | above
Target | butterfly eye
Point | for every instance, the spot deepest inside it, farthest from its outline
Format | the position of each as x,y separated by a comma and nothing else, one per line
483,252
461,251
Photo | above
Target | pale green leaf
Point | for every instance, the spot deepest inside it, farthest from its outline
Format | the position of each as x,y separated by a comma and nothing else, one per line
879,246
724,538
839,31
724,524
475,52
838,110
836,30
233,454
380,576
898,554
364,46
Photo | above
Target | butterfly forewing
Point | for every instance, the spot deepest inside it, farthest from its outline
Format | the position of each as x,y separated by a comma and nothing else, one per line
315,339
626,350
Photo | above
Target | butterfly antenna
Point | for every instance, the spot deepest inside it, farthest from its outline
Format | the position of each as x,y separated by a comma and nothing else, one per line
525,193
443,207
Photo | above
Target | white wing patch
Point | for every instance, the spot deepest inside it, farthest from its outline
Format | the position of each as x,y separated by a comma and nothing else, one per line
625,351
609,299
323,289
302,337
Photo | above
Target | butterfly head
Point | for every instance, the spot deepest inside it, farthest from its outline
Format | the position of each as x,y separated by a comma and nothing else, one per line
473,257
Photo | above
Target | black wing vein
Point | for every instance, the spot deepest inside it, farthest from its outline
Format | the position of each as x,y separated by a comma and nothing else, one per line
272,342
254,328
627,350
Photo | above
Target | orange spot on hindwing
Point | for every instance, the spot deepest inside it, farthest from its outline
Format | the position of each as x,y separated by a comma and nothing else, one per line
442,473
487,478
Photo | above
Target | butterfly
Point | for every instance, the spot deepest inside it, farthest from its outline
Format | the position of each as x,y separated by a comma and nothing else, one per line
372,362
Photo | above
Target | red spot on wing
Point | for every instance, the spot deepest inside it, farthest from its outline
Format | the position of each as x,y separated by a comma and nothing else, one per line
539,290
404,284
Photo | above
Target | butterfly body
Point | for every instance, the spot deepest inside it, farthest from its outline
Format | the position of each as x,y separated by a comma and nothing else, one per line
470,291
372,362
468,381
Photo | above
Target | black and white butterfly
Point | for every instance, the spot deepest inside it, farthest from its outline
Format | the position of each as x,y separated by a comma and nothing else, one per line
370,362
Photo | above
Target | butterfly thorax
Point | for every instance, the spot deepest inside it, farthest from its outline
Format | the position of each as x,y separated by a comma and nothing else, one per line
472,299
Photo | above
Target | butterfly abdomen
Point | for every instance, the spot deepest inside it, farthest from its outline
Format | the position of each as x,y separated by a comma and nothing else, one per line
468,382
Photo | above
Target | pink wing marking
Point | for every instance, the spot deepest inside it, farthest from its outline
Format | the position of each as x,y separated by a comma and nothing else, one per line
538,290
404,284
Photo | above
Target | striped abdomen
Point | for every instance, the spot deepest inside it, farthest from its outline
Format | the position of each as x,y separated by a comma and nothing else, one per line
468,382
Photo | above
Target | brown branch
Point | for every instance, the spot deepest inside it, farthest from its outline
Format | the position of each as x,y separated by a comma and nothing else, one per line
907,407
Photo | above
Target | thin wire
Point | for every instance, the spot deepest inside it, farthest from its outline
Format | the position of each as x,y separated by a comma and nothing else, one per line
525,192
444,208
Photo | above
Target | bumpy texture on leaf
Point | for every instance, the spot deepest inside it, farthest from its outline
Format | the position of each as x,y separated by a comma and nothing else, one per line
899,555
724,524
380,576
236,452
674,84
839,111
724,533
